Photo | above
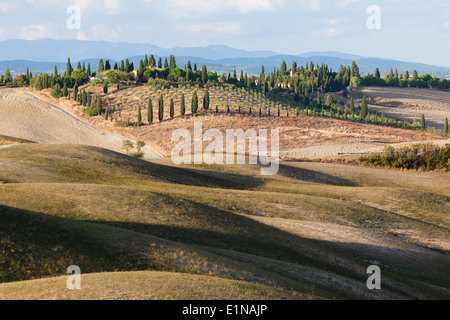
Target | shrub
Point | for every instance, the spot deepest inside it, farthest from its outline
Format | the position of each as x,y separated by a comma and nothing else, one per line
424,156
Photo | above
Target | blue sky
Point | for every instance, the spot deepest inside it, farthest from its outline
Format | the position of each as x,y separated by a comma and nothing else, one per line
411,30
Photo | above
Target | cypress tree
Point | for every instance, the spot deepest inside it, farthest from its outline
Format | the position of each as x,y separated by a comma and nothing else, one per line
55,73
446,127
206,100
141,69
319,100
83,98
146,60
89,70
139,119
166,63
75,92
161,108
352,106
152,61
423,124
183,105
99,105
172,109
69,68
364,108
377,73
79,66
106,114
101,66
65,92
329,102
204,74
88,100
194,105
150,111
160,63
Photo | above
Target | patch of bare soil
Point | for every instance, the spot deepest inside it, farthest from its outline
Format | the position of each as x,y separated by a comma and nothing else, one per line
25,116
409,103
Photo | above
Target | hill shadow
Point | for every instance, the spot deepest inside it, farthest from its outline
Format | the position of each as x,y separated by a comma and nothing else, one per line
314,176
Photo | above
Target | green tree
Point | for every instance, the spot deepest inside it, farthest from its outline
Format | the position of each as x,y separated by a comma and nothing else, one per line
69,68
352,106
150,111
99,105
183,105
101,66
364,108
206,100
423,124
194,104
319,100
139,119
8,77
283,68
329,102
160,63
161,107
56,91
204,74
446,127
172,109
354,70
377,73
415,75
172,63
152,61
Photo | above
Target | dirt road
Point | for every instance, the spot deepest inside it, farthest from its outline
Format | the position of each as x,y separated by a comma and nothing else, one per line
24,116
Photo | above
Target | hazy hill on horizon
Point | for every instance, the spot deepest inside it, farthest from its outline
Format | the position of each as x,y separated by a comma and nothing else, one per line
42,55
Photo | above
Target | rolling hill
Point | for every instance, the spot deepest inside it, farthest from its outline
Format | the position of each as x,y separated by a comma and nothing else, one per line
323,225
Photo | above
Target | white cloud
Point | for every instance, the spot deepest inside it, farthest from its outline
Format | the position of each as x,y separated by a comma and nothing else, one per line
327,32
332,21
344,3
314,5
186,7
446,25
36,31
112,6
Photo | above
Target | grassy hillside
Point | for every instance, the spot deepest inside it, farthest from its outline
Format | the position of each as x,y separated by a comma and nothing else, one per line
313,229
144,285
5,140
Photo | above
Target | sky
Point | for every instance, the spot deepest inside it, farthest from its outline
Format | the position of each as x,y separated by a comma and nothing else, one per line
407,30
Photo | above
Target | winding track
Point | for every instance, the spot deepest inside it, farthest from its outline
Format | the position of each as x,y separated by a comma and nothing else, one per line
24,116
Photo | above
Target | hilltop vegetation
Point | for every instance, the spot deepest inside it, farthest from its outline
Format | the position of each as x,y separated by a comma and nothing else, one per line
281,92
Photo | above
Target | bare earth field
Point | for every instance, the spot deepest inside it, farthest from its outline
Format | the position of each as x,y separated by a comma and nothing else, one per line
300,137
24,116
410,103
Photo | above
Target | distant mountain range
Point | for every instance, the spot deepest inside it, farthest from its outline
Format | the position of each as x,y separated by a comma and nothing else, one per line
42,56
